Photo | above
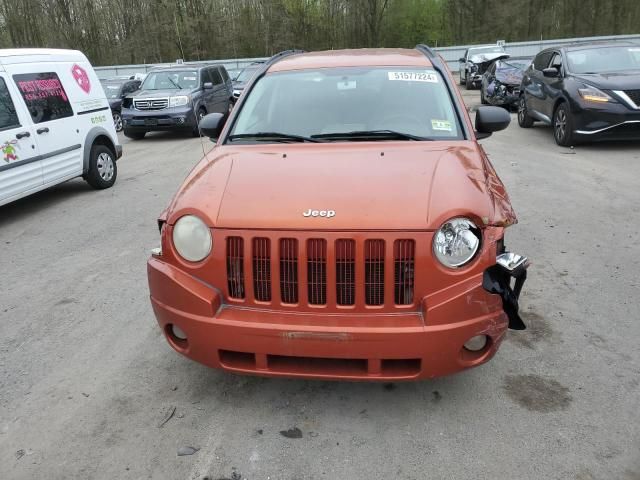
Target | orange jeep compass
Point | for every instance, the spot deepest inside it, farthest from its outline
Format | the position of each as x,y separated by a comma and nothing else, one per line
347,225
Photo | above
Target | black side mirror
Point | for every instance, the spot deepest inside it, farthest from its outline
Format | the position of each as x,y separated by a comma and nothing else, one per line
491,119
211,125
207,85
462,59
551,72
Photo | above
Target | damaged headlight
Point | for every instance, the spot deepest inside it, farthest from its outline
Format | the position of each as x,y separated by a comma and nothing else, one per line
456,242
192,238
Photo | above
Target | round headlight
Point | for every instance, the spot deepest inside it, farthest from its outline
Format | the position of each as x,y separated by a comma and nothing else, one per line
456,242
192,238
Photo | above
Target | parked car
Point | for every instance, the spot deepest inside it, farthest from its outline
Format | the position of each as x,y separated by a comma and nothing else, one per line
475,62
501,82
365,241
587,92
54,123
116,89
175,98
240,82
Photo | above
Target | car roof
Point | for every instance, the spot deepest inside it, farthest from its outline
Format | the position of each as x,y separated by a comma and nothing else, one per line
181,67
486,46
572,47
365,57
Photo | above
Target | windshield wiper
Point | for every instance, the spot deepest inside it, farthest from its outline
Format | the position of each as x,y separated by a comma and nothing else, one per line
372,134
176,84
281,137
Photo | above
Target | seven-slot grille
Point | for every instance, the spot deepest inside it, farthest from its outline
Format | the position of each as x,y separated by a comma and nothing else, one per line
151,104
330,271
634,95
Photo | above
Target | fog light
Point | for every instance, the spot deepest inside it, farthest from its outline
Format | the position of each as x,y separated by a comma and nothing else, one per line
180,120
178,333
477,343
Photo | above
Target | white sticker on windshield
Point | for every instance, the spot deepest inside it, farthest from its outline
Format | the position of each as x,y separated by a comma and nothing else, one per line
189,78
414,76
441,125
347,85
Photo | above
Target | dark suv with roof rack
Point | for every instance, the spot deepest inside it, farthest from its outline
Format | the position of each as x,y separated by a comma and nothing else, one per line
587,92
176,98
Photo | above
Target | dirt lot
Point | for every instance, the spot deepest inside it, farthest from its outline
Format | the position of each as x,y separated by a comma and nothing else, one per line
86,380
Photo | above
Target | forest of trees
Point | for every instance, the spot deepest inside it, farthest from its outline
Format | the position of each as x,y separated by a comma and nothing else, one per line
113,32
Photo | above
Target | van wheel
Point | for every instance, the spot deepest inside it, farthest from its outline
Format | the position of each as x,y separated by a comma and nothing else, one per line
468,83
102,167
461,79
199,116
134,134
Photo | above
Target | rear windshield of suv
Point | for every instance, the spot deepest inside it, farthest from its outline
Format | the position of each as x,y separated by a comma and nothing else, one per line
171,80
604,59
413,101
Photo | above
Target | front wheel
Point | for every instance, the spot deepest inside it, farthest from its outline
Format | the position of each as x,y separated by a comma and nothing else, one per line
117,121
199,116
524,120
483,99
102,168
134,134
563,126
468,83
461,79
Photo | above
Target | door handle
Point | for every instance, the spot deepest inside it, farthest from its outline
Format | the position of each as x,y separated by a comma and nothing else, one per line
22,135
43,130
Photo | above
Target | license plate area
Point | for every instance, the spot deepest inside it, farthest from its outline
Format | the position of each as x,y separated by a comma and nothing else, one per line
151,121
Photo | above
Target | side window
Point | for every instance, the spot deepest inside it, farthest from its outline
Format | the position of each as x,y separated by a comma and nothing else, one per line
44,96
206,76
8,115
542,60
215,74
556,61
225,75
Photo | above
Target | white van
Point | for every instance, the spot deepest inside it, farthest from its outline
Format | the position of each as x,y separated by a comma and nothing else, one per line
55,123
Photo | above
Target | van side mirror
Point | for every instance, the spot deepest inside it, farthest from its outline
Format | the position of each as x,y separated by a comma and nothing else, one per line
491,119
211,125
462,59
551,72
207,85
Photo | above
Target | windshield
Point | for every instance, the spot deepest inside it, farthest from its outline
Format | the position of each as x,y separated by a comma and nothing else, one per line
246,74
310,103
484,50
171,80
112,90
604,59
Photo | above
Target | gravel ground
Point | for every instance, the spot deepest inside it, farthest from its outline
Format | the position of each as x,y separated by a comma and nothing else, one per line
90,389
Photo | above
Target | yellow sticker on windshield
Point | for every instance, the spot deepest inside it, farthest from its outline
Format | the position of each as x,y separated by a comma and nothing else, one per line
441,125
414,76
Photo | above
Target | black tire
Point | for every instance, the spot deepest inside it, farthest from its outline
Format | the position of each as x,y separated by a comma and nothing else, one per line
199,116
103,168
117,121
483,100
468,83
134,134
461,80
563,126
524,120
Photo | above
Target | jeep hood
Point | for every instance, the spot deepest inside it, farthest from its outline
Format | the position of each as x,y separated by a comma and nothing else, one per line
370,186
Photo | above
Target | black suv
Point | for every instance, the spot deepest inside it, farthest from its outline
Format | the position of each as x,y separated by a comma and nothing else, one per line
586,92
176,98
116,89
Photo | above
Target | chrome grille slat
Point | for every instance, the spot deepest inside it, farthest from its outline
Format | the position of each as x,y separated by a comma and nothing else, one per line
261,269
634,95
151,104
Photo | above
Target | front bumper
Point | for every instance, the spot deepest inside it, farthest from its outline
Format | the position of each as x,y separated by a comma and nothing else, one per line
167,119
407,345
611,121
